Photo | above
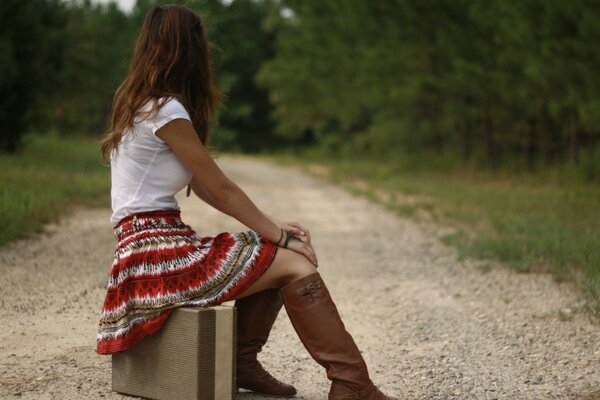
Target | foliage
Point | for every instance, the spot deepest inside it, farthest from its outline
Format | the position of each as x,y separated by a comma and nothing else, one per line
489,81
236,29
46,178
60,68
30,59
98,42
493,83
530,222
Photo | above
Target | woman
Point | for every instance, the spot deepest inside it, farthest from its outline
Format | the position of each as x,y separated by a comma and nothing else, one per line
156,146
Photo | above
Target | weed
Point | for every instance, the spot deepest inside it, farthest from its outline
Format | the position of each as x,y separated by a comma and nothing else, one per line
45,179
528,222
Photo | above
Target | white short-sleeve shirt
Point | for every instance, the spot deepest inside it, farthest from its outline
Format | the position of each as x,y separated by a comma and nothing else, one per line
145,173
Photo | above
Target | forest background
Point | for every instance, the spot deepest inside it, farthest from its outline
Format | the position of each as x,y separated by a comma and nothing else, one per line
480,115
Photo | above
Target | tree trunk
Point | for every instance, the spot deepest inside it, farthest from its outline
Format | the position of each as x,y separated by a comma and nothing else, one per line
530,145
573,140
491,155
465,143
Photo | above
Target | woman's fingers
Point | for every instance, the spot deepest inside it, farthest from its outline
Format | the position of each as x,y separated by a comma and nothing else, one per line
296,226
300,241
305,249
300,229
298,233
308,235
311,256
296,230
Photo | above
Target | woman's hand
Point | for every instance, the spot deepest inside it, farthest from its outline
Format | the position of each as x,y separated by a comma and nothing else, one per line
295,228
297,238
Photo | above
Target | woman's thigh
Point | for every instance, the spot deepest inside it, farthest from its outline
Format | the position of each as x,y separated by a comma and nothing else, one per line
287,266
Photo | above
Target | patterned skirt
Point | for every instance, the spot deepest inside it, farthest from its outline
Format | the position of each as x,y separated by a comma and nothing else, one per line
160,263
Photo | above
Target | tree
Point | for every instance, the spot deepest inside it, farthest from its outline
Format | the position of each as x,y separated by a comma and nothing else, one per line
30,57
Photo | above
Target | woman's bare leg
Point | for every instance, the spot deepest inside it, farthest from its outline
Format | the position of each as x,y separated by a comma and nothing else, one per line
287,266
317,322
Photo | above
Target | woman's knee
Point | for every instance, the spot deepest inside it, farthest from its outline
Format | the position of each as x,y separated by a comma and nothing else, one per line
294,266
300,268
287,267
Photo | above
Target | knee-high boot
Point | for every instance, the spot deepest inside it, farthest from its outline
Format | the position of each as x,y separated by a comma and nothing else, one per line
256,315
317,322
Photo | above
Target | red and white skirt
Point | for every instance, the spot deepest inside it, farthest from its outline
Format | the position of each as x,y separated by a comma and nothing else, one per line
160,263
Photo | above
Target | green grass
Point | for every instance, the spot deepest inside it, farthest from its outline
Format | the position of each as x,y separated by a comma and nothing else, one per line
528,222
47,178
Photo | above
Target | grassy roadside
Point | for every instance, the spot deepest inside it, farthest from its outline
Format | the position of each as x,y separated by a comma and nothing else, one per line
46,178
529,223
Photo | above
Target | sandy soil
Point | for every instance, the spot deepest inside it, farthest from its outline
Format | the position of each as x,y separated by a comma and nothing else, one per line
430,327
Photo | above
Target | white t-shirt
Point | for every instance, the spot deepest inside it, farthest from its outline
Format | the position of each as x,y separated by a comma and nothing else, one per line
145,172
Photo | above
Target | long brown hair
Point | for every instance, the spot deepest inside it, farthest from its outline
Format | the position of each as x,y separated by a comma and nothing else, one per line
171,58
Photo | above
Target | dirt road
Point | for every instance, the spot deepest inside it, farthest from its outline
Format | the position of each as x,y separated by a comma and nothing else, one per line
430,327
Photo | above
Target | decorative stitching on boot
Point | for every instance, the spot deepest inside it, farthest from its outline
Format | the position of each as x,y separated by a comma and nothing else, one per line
311,289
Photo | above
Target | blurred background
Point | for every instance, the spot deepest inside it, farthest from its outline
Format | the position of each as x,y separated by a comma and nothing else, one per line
486,83
482,115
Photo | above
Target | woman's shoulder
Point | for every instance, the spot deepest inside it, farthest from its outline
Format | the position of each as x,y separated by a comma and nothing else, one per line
171,105
166,105
170,109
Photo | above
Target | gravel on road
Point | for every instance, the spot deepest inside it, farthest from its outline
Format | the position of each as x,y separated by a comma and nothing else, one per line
429,326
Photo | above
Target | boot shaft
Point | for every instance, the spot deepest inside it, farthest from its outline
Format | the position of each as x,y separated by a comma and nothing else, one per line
317,322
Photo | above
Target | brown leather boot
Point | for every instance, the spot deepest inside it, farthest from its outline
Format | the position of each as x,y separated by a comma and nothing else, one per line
320,328
255,317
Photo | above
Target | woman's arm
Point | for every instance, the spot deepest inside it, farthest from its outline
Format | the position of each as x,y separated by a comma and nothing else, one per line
202,193
295,227
221,192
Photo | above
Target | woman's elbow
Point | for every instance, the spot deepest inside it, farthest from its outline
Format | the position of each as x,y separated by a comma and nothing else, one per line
225,195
